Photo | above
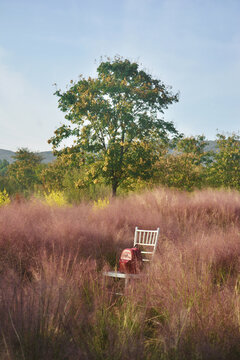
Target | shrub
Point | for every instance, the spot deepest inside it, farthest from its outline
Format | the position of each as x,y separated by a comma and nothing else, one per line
101,203
4,198
55,198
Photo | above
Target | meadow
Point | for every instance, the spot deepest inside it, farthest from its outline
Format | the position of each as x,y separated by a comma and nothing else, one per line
55,303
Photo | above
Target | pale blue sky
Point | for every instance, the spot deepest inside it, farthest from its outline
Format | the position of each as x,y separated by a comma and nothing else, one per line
193,45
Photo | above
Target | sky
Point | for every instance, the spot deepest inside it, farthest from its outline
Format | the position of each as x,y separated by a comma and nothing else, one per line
192,45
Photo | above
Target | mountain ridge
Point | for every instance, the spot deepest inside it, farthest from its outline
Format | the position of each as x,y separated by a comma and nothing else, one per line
49,157
8,155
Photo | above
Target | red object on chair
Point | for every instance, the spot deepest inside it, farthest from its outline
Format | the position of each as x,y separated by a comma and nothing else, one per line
130,261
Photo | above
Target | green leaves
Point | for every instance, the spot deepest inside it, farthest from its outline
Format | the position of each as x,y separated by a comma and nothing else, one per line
186,167
113,114
3,167
24,172
225,170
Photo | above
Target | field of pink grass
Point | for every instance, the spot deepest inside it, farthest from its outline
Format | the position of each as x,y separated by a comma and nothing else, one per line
55,304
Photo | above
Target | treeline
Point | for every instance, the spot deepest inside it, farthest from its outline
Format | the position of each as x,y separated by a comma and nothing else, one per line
186,166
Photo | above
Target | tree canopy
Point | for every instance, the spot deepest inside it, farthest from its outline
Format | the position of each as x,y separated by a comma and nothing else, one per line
225,170
3,166
115,121
186,167
23,173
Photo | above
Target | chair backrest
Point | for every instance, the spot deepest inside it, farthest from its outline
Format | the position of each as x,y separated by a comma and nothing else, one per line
147,241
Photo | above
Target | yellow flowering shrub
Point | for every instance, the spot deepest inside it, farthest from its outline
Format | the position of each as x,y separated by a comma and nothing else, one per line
4,198
101,203
55,198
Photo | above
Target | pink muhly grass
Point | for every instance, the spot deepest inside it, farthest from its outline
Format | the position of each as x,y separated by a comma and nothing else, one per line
55,304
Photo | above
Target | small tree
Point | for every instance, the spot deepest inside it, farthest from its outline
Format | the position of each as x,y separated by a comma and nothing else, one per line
3,166
225,170
186,167
3,174
24,172
115,119
54,174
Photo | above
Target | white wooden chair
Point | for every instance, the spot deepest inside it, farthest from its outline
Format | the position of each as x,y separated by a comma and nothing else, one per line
147,241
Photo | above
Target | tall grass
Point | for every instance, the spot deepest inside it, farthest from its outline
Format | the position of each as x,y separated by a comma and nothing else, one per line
55,304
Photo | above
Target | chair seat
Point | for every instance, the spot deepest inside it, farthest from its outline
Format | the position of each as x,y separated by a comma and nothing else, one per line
120,275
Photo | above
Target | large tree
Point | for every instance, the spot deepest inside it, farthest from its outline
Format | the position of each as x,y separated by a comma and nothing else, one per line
115,118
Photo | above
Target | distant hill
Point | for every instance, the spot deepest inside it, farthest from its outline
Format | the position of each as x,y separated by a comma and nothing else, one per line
8,155
212,145
49,157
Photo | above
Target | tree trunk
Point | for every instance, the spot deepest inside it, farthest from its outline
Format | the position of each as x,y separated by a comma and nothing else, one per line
114,189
